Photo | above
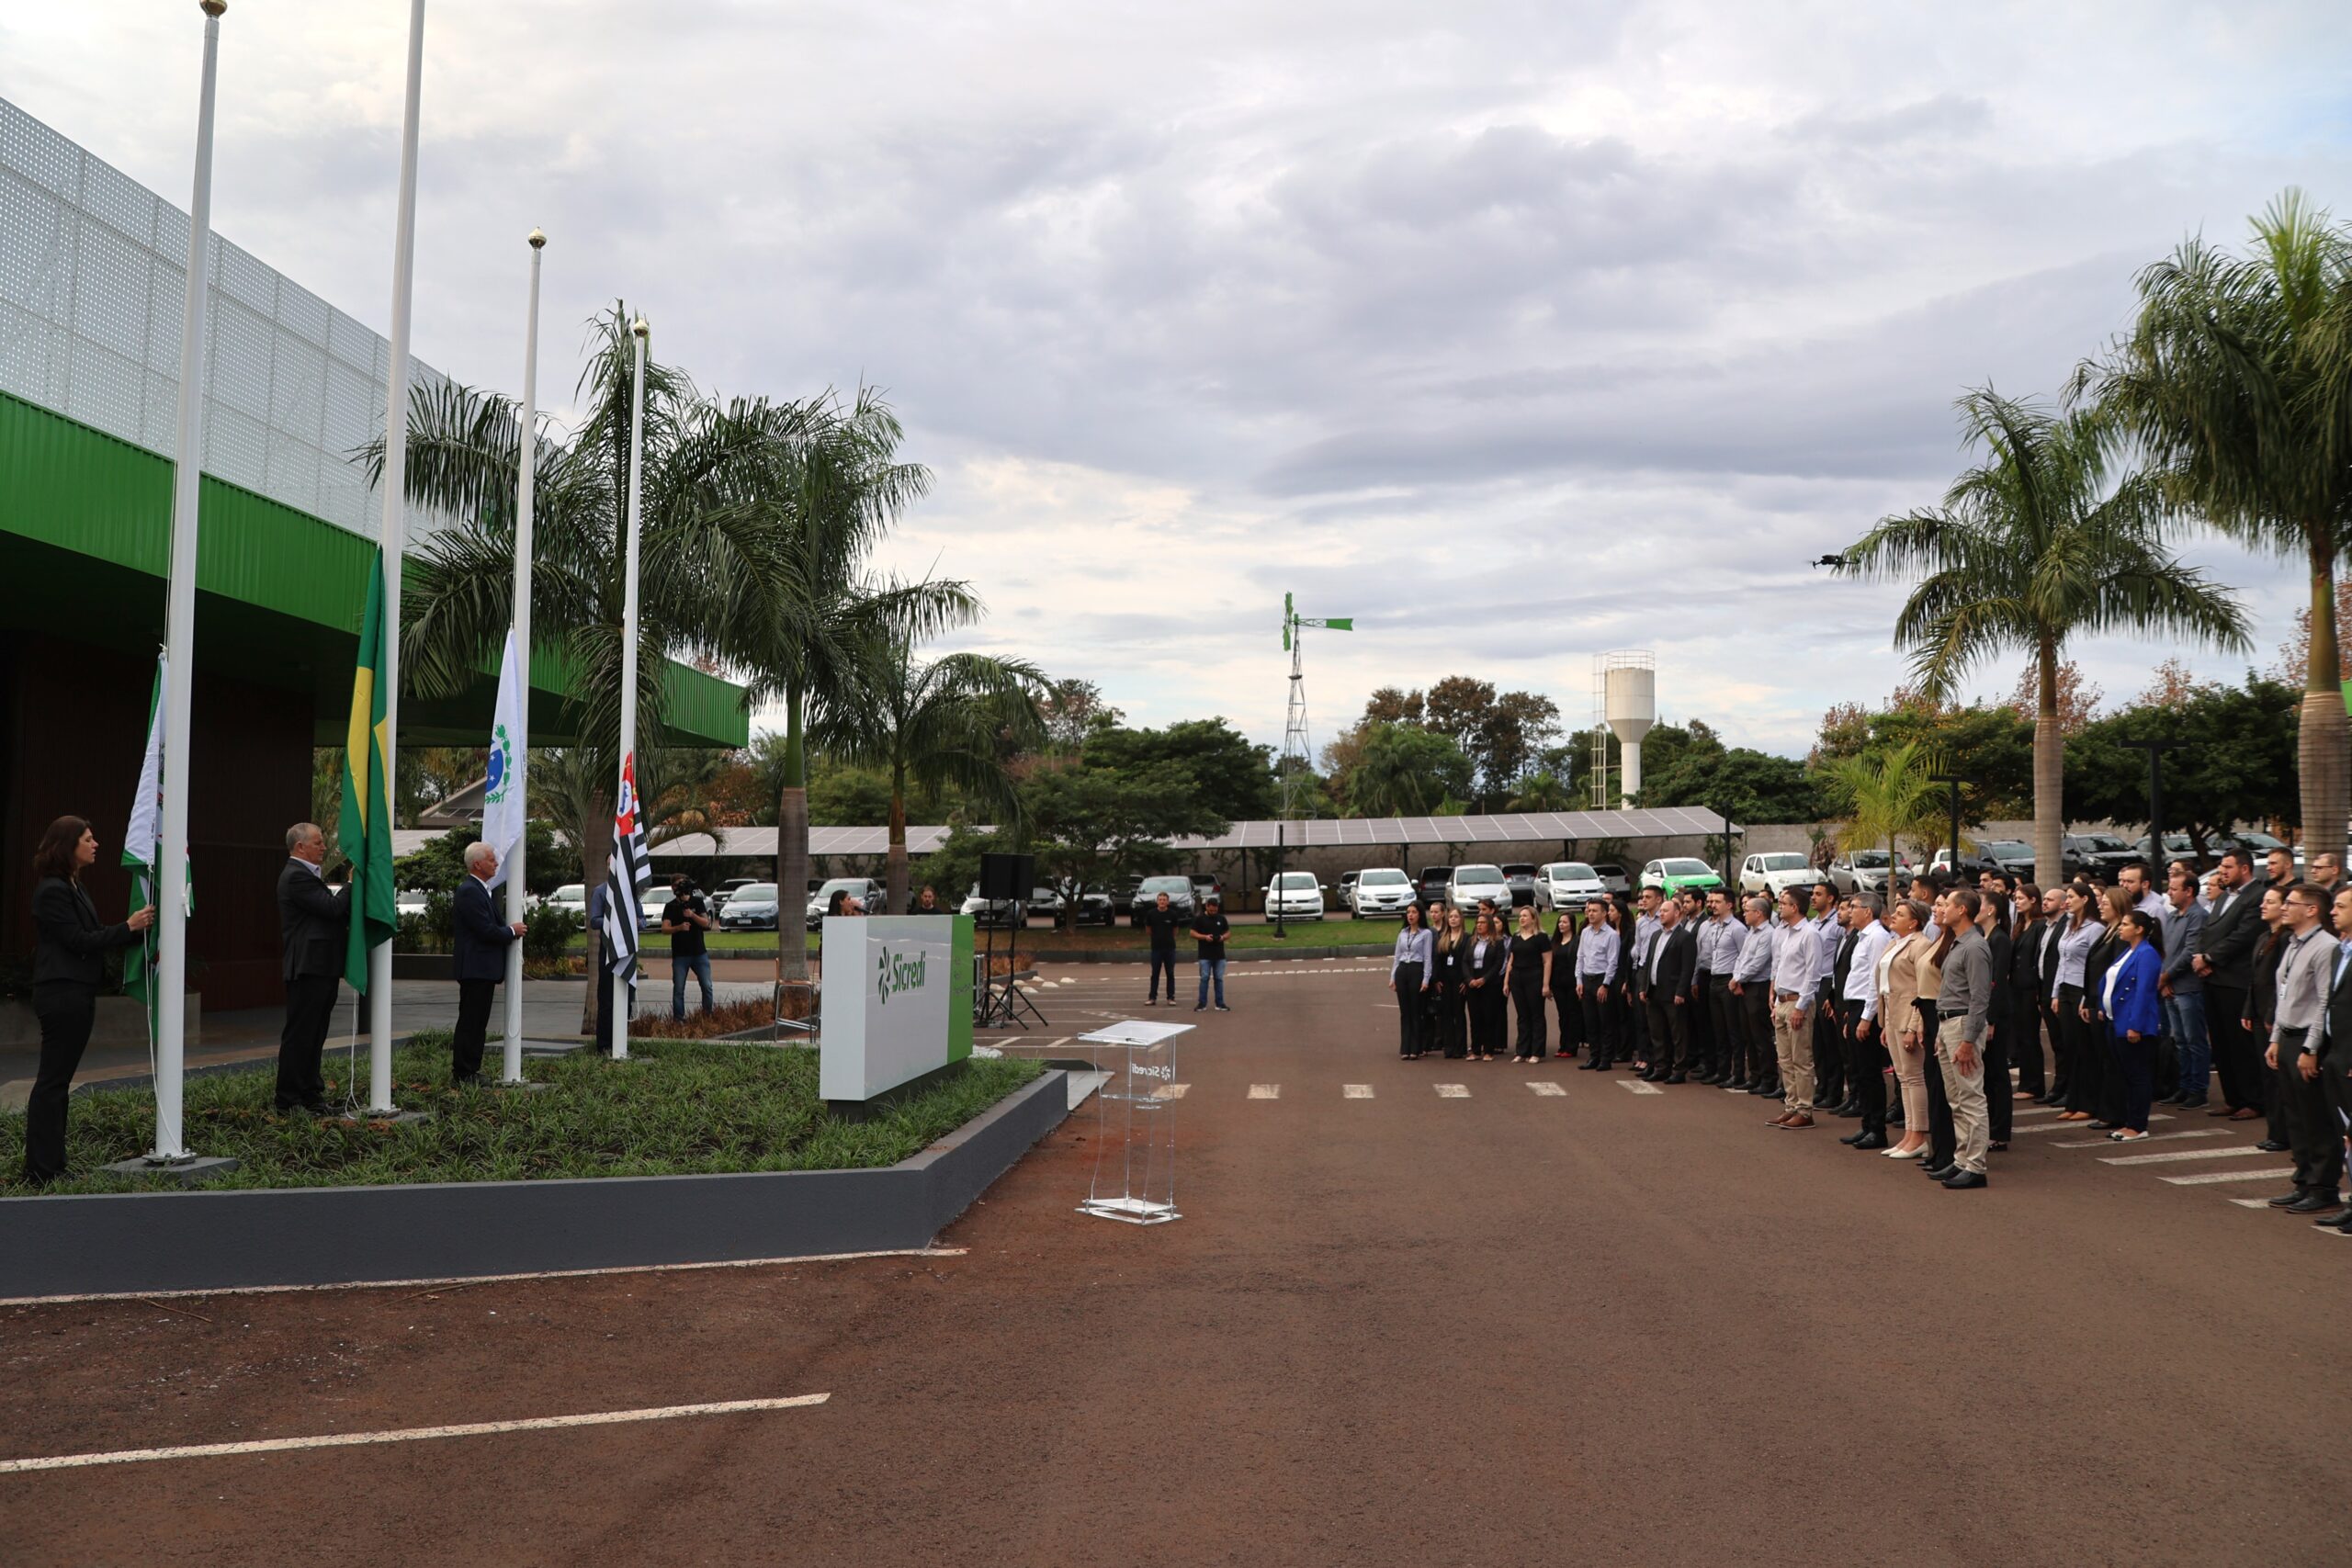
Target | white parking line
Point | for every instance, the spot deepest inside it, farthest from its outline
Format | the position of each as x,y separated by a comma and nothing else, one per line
1265,1091
2280,1173
1541,1088
2104,1142
1453,1090
2037,1110
2247,1202
1347,1091
408,1434
2075,1126
1635,1085
1166,1090
2174,1157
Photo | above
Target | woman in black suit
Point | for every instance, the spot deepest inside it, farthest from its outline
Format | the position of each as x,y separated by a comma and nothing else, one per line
1482,973
1449,949
69,965
1564,935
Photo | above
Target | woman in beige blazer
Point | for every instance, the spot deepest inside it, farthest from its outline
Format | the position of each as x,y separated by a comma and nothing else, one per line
1898,1015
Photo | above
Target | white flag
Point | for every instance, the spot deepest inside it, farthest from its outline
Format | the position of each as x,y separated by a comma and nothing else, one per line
503,807
142,838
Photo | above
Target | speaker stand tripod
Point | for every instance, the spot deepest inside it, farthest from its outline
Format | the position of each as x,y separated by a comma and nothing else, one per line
1003,1006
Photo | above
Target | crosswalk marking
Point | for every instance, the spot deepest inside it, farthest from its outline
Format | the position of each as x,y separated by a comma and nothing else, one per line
1356,1090
1168,1090
2207,1179
2104,1142
1635,1085
2076,1126
2037,1110
2251,1203
2174,1157
1265,1091
1546,1088
1453,1090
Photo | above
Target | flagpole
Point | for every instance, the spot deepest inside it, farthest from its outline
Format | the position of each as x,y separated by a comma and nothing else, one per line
179,631
519,744
395,541
639,331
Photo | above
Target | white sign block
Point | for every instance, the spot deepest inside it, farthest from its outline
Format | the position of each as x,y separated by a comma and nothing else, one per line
897,1001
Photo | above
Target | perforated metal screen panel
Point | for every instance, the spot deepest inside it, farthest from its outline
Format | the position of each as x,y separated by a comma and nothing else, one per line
91,275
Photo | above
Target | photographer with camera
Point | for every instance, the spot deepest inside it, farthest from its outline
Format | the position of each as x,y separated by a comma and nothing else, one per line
686,917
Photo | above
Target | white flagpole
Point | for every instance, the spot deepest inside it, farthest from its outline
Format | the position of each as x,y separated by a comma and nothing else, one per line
395,540
639,331
179,632
519,744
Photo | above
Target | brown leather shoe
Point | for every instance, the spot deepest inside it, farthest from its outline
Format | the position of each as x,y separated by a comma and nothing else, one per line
2246,1113
1781,1120
1798,1122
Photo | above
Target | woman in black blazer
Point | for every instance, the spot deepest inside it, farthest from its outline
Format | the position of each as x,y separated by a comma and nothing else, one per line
69,965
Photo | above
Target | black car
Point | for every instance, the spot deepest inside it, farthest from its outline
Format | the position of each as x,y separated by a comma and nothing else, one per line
1431,885
1521,879
1147,895
2101,854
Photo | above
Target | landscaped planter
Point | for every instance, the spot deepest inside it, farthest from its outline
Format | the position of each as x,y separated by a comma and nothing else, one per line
135,1243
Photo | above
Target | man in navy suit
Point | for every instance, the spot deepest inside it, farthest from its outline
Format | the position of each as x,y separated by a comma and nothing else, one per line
481,962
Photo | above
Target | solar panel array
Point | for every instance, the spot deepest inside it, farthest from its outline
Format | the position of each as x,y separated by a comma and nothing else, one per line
93,282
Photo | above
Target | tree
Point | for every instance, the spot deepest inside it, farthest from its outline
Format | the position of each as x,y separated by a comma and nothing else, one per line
464,453
1233,775
1753,786
2078,698
1888,795
1538,790
1406,771
934,726
1088,824
1456,706
2295,653
1388,705
2238,765
2039,543
1516,728
2170,684
2235,378
1073,710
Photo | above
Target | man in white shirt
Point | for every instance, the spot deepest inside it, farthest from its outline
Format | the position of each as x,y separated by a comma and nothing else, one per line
2305,976
1860,1020
1796,959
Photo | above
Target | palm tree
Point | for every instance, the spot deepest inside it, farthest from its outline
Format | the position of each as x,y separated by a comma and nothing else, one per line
1887,794
2237,380
836,487
702,547
2036,544
941,726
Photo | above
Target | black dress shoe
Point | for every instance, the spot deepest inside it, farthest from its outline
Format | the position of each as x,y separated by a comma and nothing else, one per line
2268,1146
1760,1088
1850,1139
1998,1145
320,1107
1671,1078
2194,1102
2339,1220
1852,1108
1870,1140
1965,1180
2313,1203
2288,1200
1940,1173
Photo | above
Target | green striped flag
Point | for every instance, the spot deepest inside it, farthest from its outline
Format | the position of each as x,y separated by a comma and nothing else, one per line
365,827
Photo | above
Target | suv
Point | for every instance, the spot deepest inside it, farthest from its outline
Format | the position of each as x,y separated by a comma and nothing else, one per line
1568,885
1095,906
1379,890
2102,853
1180,898
1206,888
1523,883
1677,873
1774,871
1863,871
865,889
1431,885
1472,882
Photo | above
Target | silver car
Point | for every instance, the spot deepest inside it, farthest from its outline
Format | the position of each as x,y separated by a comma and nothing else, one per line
1382,890
1568,885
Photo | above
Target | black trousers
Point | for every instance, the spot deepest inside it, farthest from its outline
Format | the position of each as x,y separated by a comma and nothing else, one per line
1527,1002
1868,1075
66,1009
1601,1023
2032,1015
1486,1018
1163,962
310,1009
1701,1023
1669,1034
2000,1109
1410,1039
1637,1026
1943,1140
1571,1020
1452,1021
1723,1028
2084,1061
473,1025
2314,1130
1832,1077
1756,1030
2235,1060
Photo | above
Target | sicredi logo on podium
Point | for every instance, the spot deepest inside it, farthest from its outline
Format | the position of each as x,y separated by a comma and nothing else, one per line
896,1003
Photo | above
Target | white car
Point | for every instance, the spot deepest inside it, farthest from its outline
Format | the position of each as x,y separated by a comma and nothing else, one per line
1775,872
572,897
408,901
1295,895
1472,882
865,889
1567,884
1383,890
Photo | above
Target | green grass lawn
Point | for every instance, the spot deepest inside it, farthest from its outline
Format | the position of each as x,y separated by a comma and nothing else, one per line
691,1107
1338,931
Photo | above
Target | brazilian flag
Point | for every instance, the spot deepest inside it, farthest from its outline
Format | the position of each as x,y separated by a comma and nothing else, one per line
365,828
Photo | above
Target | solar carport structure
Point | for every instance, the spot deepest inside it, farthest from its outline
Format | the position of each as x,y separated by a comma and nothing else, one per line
1519,828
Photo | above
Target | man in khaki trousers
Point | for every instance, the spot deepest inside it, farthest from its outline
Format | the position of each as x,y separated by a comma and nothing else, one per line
1796,960
1962,1006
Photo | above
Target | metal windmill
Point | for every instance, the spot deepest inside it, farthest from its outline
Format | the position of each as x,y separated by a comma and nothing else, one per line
1297,753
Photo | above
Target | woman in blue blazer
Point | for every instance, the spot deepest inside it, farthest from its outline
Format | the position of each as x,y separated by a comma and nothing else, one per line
2136,1018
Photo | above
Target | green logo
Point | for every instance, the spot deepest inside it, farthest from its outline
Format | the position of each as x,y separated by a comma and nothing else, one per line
896,972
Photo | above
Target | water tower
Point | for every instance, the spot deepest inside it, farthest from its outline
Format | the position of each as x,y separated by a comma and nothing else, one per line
1624,699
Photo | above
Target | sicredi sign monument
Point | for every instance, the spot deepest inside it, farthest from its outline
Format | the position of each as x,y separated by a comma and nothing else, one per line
898,1001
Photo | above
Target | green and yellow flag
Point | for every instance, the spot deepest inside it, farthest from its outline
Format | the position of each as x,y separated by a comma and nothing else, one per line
365,828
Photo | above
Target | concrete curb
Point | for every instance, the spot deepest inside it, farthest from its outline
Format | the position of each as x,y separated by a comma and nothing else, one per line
141,1243
1184,958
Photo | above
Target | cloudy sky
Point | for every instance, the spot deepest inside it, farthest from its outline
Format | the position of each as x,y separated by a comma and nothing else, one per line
1517,331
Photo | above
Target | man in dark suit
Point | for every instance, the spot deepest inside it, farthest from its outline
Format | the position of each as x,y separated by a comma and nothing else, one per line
1674,960
482,939
2226,962
2335,1045
311,918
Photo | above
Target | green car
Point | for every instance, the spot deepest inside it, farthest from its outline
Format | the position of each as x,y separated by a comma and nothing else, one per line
1674,875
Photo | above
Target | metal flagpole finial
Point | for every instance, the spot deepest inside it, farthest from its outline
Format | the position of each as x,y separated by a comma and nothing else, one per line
641,328
212,7
537,239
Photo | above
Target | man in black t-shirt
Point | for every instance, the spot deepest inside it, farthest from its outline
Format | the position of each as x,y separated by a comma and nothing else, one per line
1160,921
1208,941
686,917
